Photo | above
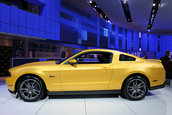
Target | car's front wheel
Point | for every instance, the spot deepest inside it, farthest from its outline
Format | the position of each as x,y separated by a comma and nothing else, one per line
30,89
135,88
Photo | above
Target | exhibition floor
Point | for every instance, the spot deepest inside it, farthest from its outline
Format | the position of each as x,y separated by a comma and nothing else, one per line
157,102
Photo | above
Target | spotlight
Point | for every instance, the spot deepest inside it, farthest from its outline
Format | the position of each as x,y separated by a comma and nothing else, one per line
152,19
109,21
148,30
129,20
140,49
153,15
90,2
154,4
101,14
125,1
106,18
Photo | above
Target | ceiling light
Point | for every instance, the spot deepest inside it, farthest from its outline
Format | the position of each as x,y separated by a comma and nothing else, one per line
125,6
129,20
101,14
153,15
124,1
109,21
90,2
98,10
140,49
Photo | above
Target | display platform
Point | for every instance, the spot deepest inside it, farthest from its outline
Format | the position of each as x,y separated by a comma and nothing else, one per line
157,102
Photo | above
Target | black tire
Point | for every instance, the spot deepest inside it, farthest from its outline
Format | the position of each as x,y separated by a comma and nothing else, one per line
30,89
135,88
122,95
44,95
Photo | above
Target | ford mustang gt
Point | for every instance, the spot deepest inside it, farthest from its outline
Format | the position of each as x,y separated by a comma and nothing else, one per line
92,71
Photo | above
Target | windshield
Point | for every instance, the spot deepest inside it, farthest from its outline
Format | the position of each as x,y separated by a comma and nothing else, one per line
62,60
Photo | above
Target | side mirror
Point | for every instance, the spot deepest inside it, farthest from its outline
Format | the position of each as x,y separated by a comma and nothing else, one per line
73,61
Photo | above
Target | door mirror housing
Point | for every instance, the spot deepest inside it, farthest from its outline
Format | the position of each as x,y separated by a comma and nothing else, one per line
73,61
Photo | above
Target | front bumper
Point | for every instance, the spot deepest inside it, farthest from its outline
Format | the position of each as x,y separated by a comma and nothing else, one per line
158,86
11,91
10,84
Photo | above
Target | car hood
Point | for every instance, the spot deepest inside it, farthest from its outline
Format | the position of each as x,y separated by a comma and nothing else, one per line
33,64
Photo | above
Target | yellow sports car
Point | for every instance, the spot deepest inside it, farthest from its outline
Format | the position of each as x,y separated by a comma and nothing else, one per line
92,71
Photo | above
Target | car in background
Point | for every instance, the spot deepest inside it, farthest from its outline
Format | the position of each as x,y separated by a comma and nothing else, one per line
92,71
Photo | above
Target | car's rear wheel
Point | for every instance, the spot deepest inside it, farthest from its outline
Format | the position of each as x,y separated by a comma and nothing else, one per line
135,88
30,89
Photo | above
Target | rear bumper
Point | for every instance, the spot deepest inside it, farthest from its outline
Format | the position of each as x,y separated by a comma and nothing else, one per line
158,86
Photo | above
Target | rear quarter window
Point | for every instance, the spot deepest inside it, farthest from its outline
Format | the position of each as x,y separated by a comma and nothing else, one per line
123,57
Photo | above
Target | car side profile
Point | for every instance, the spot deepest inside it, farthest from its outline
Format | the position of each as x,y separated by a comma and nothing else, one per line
92,71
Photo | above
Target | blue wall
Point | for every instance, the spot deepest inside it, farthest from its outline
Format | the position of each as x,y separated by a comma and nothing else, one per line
61,22
166,44
17,21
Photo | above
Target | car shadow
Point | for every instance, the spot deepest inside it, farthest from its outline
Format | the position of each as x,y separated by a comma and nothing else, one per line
83,96
149,94
90,96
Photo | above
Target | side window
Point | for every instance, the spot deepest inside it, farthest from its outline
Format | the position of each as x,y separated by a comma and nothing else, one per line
126,58
94,58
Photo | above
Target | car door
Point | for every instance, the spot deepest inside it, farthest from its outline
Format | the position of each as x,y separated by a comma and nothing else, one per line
90,73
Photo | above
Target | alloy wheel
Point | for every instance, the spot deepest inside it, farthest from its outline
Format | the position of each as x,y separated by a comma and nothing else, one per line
30,89
136,88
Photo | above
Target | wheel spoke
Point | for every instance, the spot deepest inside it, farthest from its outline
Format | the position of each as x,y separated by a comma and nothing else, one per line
133,83
36,91
140,85
130,88
140,91
33,84
24,89
133,93
27,95
27,84
30,95
136,83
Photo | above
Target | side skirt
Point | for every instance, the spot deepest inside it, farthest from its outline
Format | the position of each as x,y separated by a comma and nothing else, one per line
84,92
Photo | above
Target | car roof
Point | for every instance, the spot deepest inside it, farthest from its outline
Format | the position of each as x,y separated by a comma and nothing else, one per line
109,50
113,51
